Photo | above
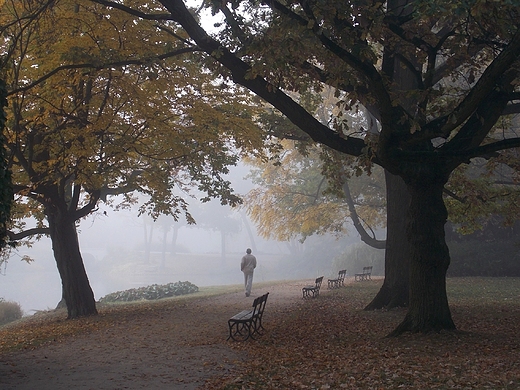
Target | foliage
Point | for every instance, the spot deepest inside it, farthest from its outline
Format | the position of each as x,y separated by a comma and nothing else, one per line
484,258
435,76
484,192
436,105
296,195
103,103
152,292
101,120
9,311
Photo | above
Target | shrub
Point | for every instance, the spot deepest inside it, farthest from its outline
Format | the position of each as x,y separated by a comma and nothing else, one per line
152,292
9,311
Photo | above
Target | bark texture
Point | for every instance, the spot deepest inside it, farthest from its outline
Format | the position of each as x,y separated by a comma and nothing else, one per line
427,215
395,289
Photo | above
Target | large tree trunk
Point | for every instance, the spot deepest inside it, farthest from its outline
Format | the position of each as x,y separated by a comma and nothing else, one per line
76,288
395,289
428,309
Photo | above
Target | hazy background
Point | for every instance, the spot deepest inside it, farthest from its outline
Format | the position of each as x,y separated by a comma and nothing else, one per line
121,251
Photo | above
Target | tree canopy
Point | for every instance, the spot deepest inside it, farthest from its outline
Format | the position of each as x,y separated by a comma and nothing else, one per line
436,76
104,121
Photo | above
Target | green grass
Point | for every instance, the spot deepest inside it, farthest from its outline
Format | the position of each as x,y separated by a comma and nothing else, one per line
479,291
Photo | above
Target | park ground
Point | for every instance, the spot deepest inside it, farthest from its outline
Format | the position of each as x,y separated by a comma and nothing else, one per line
324,343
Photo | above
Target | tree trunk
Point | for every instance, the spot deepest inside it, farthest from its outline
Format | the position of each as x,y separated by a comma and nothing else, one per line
147,240
249,231
428,309
76,288
395,289
173,249
164,248
223,246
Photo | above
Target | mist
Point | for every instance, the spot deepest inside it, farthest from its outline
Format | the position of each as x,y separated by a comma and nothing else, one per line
121,251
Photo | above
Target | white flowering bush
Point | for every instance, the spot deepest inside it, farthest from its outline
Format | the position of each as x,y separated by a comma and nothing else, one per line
153,292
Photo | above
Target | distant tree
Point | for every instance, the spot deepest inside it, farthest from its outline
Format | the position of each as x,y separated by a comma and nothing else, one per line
165,224
89,118
293,198
214,217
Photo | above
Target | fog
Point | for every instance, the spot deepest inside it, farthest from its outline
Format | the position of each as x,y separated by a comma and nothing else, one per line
122,251
113,252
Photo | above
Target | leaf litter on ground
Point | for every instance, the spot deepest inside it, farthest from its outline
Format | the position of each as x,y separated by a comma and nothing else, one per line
332,343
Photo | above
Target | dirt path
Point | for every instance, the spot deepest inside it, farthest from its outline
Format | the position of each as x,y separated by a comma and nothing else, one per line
178,349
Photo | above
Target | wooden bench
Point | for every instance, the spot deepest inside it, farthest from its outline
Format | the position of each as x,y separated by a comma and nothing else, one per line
365,275
247,323
312,291
339,281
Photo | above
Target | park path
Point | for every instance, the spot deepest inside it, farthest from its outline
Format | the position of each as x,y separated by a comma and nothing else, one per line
177,349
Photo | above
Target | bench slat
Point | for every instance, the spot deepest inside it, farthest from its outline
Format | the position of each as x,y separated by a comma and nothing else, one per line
243,315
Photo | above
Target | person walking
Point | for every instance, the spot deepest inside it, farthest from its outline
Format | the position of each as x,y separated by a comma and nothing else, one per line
248,265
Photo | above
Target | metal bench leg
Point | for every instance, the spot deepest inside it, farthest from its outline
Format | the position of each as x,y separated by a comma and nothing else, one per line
242,329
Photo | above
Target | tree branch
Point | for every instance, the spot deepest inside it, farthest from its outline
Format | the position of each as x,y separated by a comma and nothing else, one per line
242,74
365,237
87,209
486,83
364,68
485,151
27,233
128,187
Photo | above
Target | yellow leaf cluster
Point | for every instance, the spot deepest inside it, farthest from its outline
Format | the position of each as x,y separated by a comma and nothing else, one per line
105,100
290,199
